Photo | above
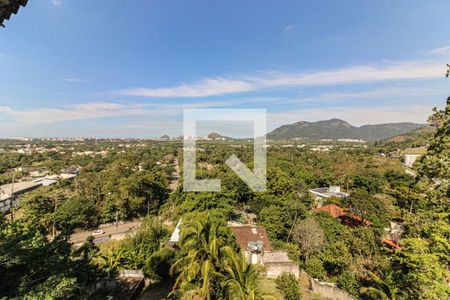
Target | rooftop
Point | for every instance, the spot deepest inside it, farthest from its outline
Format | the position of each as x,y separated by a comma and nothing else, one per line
334,210
19,187
327,192
349,217
246,234
275,257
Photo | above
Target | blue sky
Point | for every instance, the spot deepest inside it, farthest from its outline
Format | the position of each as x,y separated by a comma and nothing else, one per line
128,68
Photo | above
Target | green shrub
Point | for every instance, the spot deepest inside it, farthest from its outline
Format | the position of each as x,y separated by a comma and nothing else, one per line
288,286
314,267
348,282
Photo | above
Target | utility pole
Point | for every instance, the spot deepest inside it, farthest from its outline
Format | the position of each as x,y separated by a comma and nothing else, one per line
117,221
11,198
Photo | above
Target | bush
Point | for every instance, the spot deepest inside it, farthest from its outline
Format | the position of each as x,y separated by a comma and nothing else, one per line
314,267
348,282
288,286
158,265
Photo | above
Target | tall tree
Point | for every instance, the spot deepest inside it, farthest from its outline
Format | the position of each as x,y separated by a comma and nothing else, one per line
309,235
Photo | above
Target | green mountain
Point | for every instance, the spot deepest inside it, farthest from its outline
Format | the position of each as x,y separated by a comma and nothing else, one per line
339,129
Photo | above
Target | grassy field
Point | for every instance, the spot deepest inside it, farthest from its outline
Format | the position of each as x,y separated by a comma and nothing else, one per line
271,293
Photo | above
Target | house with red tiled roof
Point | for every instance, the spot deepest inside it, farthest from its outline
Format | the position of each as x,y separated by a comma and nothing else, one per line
393,235
346,215
392,244
334,210
248,235
256,247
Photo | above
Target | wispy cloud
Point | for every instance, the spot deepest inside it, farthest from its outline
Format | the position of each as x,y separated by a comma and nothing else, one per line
97,110
56,2
203,88
288,28
75,80
387,71
440,50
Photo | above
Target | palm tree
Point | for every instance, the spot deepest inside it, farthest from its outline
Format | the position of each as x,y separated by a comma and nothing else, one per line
239,280
112,261
198,270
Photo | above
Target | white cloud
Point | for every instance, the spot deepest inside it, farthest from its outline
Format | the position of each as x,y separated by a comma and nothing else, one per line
387,71
5,109
97,110
56,2
380,93
440,50
288,28
203,88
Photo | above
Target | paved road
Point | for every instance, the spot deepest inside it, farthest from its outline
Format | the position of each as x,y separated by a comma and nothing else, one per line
80,237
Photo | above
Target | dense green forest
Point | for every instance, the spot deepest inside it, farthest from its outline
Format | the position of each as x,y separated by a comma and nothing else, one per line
131,181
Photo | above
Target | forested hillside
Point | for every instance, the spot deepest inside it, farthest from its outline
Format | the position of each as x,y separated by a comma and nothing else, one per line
419,137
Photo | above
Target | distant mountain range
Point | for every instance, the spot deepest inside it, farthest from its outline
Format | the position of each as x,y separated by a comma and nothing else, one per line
339,129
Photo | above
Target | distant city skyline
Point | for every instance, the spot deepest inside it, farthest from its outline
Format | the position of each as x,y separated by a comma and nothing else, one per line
127,69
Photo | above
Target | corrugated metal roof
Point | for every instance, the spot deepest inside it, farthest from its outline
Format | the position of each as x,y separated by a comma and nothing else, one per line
19,187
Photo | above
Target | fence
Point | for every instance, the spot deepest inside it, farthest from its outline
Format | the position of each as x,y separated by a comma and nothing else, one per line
325,289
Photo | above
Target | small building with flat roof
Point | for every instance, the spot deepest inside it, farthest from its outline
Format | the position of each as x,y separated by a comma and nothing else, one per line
323,193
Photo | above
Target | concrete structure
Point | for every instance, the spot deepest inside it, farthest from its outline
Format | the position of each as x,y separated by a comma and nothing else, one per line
275,263
325,289
127,285
46,181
